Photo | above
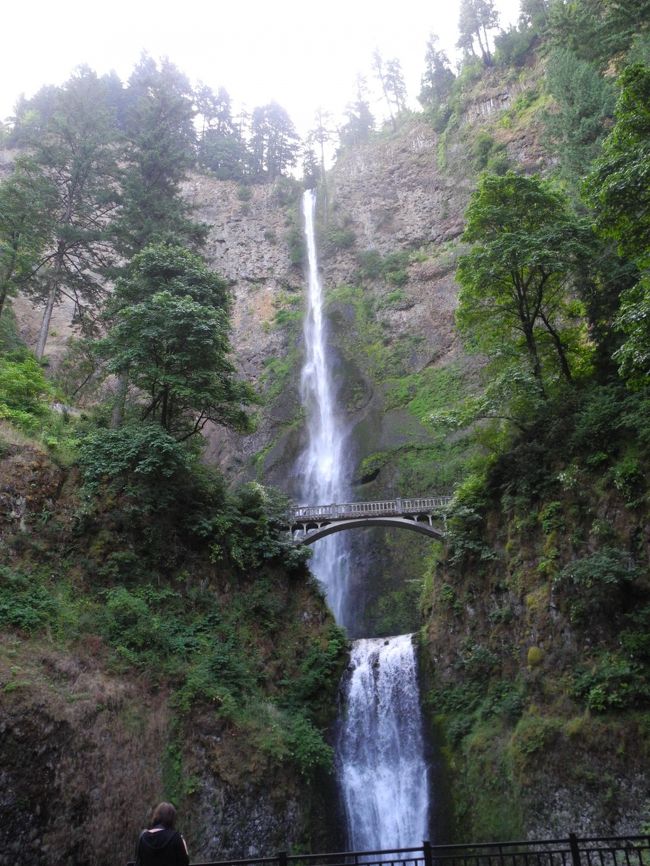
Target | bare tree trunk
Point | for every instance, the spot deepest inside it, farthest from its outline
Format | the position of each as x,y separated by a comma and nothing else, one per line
45,323
117,416
4,294
323,181
53,283
559,347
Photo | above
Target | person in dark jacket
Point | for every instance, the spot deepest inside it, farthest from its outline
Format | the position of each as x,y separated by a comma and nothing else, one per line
161,844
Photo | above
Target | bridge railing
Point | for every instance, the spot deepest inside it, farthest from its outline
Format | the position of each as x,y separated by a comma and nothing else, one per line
572,851
381,508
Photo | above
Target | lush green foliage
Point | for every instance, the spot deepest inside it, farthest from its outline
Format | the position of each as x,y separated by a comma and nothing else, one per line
584,102
618,188
169,335
23,389
25,201
515,303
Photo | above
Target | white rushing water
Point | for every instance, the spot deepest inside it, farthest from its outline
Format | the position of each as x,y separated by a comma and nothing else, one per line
380,749
380,759
322,466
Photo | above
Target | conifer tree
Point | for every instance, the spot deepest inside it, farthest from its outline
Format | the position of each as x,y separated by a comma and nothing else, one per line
391,80
619,189
360,122
476,19
159,151
221,147
437,79
274,144
25,227
584,102
71,133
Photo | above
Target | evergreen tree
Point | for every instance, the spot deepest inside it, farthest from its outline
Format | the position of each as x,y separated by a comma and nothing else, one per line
159,151
221,147
584,102
391,80
360,122
597,30
437,79
619,189
395,84
534,14
476,19
311,170
25,227
274,144
71,134
321,133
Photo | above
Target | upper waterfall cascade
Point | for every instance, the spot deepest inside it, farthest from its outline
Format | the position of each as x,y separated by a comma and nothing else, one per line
322,465
380,760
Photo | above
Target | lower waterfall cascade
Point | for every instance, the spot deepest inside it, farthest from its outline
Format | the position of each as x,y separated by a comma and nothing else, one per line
381,767
380,748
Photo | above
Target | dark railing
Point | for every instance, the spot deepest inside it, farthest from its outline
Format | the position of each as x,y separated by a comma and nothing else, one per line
573,851
383,508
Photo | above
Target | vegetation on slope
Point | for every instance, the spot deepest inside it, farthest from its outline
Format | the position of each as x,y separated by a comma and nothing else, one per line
537,612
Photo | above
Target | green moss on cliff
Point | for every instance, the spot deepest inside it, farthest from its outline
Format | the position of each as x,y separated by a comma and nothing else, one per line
537,621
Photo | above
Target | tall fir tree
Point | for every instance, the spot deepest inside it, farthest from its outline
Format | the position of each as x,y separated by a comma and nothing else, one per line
71,134
437,78
274,143
360,121
159,151
476,19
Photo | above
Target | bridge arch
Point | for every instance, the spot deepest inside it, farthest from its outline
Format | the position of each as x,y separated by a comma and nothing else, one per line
314,532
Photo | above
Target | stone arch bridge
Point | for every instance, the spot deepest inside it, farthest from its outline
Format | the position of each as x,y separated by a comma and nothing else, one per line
426,515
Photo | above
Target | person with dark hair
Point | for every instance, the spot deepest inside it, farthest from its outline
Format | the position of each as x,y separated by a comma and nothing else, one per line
161,844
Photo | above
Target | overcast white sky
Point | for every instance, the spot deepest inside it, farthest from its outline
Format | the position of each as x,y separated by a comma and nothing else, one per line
298,52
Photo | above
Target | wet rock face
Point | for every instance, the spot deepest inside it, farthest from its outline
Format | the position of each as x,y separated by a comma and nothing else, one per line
394,194
83,759
79,756
248,245
29,485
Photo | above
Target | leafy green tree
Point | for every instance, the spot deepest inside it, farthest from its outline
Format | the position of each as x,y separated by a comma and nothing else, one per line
170,336
437,79
71,135
584,102
159,151
516,281
619,189
25,227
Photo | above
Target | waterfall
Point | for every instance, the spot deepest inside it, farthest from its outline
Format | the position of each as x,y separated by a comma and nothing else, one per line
380,747
381,768
322,465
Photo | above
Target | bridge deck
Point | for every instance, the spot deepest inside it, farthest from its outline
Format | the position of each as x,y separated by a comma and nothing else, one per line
382,508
